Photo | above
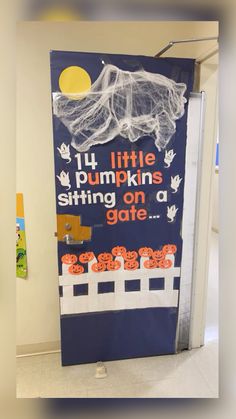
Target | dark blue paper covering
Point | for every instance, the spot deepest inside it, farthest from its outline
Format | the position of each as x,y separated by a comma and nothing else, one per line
119,334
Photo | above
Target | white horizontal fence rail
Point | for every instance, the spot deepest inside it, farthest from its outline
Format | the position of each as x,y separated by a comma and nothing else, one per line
119,299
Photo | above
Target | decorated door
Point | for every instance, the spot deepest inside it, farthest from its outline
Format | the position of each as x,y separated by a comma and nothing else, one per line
119,130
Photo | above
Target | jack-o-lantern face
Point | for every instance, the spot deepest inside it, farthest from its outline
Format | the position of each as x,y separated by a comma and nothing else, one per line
69,259
130,255
113,265
150,264
169,249
105,257
165,263
86,257
145,251
131,265
76,269
158,255
98,267
118,251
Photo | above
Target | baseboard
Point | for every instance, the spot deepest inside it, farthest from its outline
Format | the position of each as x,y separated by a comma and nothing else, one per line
38,348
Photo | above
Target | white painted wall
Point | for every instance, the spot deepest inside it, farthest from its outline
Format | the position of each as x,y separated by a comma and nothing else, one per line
215,204
37,296
209,83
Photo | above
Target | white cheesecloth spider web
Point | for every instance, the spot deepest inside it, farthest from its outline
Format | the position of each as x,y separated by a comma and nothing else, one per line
129,104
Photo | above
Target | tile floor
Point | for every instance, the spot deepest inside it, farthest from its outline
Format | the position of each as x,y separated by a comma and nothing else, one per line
192,374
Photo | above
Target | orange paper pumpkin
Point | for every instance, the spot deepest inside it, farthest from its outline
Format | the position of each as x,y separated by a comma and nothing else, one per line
150,264
98,267
86,257
69,259
105,257
145,251
113,265
130,255
76,269
165,263
169,249
158,254
131,265
118,251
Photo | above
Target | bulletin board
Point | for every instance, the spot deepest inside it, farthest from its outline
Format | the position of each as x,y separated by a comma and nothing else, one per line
120,140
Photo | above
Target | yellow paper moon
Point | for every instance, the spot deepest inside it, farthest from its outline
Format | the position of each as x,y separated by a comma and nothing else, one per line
74,80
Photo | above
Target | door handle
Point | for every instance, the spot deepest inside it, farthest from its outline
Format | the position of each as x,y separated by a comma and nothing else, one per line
68,238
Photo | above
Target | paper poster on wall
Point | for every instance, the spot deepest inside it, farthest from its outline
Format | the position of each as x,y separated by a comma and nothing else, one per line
21,258
119,125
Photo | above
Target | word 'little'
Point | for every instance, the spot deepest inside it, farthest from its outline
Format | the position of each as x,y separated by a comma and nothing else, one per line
124,159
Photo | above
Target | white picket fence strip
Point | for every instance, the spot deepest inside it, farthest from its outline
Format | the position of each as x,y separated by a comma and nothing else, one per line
119,299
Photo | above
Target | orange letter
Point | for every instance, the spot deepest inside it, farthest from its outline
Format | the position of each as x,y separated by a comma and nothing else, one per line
96,178
150,159
128,198
121,177
141,195
111,216
123,215
141,214
157,178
